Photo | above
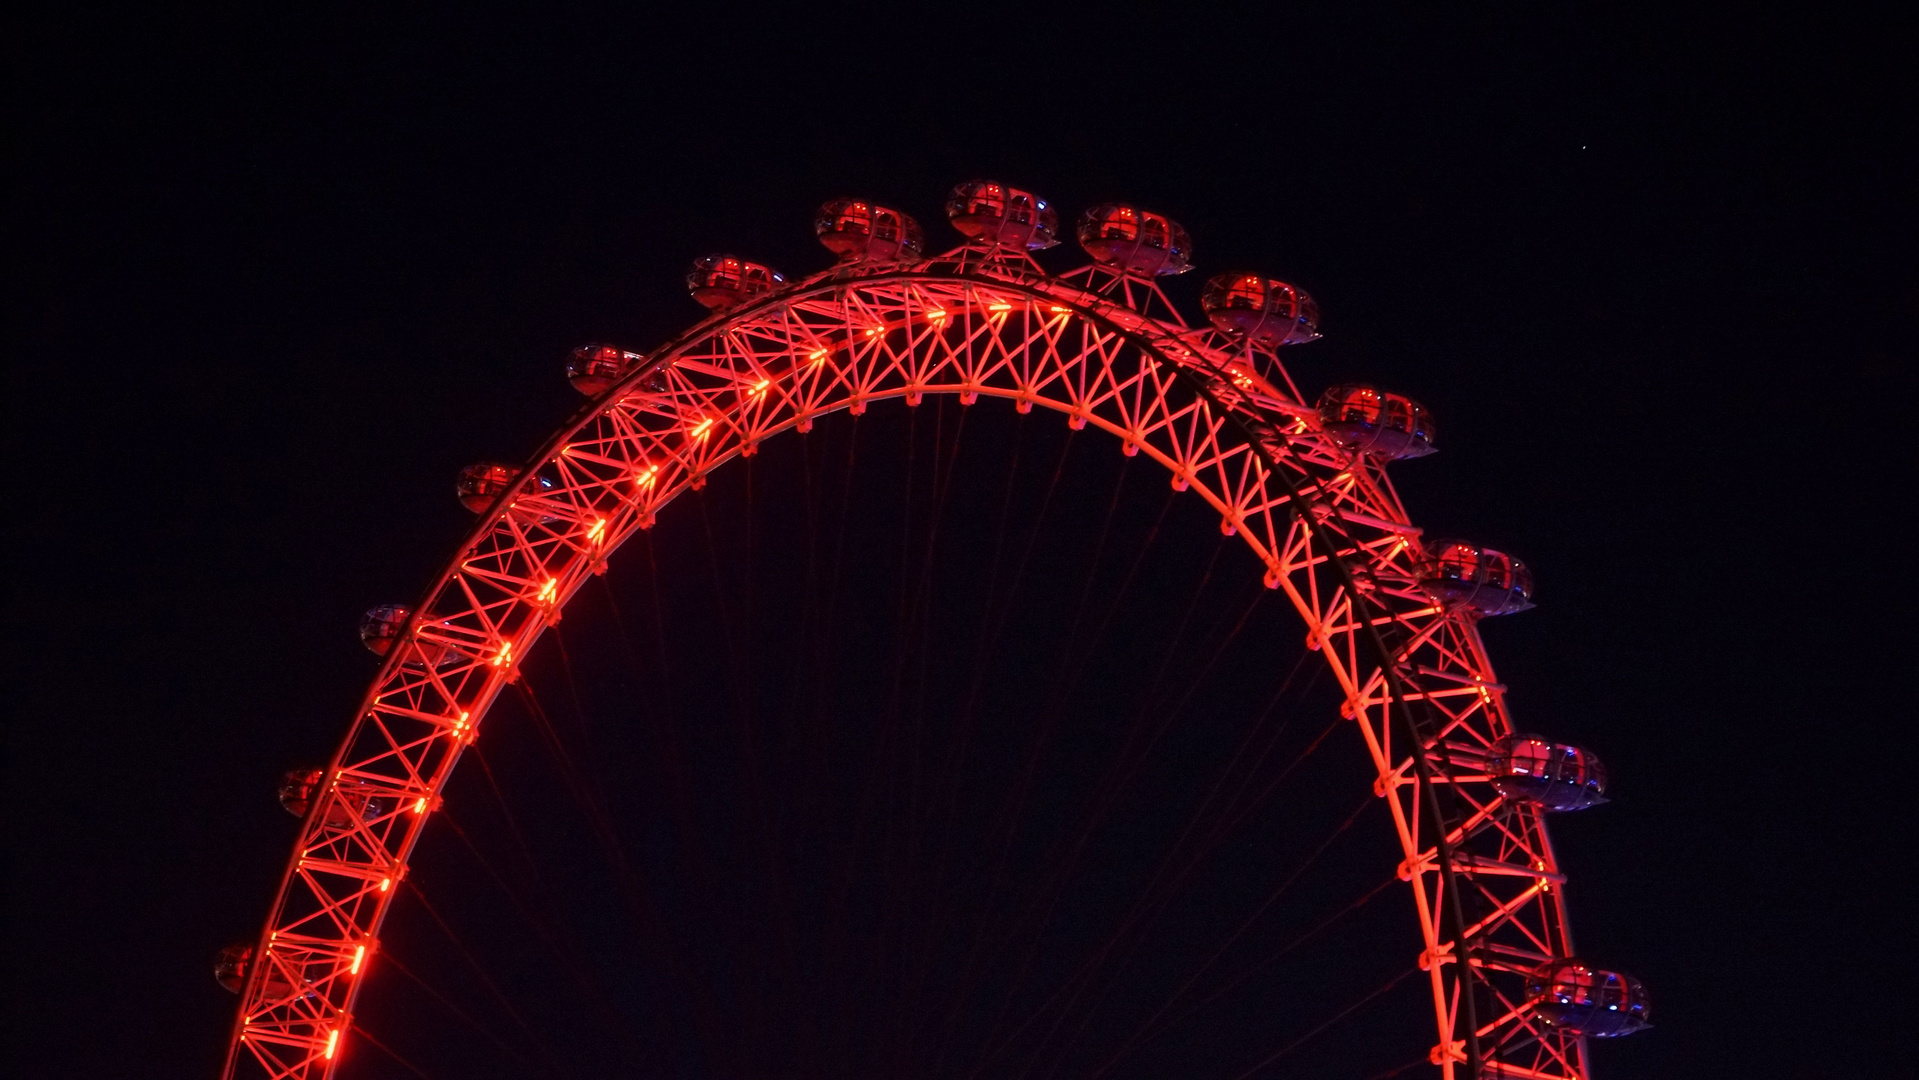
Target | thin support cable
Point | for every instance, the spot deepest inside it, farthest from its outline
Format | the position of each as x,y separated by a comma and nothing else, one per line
506,812
985,648
755,814
672,751
1397,1069
964,985
1039,910
839,915
881,772
360,1030
572,685
924,791
1231,809
1149,912
479,969
1199,812
1336,1018
1013,806
1148,1031
393,961
1226,828
569,961
893,787
632,889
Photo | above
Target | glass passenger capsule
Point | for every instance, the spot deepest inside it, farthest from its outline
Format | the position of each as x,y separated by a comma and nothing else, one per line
356,803
298,788
1135,241
230,967
1371,421
1488,582
992,213
1268,311
723,281
858,231
593,368
352,802
380,627
482,482
1573,996
1527,768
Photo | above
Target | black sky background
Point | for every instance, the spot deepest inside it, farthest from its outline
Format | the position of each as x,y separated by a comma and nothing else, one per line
275,277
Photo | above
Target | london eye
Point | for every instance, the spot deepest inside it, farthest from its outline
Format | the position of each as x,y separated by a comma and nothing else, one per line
1298,481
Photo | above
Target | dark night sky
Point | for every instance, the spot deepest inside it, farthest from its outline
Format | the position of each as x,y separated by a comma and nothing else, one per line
275,278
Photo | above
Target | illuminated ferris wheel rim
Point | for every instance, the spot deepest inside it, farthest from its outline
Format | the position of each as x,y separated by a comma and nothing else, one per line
1316,507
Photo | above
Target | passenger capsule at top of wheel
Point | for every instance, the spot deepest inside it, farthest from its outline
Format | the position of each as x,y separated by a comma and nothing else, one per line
1264,309
1484,581
1574,996
1529,769
992,213
720,282
593,368
858,231
1377,423
1135,241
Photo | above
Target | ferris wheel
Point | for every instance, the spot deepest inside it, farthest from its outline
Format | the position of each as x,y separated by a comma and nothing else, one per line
1301,481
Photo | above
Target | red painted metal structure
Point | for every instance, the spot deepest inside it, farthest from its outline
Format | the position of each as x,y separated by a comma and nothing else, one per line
1101,345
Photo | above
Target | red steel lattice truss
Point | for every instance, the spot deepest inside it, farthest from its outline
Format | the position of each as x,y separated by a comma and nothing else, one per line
1108,351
